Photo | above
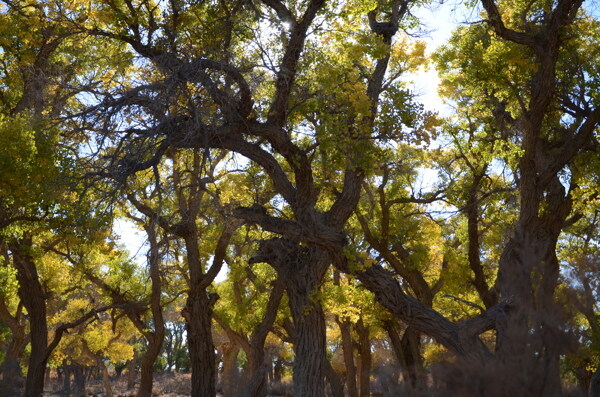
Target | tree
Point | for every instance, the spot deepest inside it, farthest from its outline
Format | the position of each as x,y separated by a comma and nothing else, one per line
537,101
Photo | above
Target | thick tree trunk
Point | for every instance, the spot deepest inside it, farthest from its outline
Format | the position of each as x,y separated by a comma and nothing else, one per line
256,379
309,347
34,384
304,276
411,347
302,270
529,337
198,316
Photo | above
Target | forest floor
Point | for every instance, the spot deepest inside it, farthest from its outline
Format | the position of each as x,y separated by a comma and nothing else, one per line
167,384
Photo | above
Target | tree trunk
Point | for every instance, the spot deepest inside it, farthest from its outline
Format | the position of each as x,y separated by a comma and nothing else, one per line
336,385
105,379
66,387
78,380
256,375
302,270
595,384
231,374
309,349
304,277
364,351
258,365
529,341
33,296
348,349
198,316
408,353
411,346
11,369
131,372
156,337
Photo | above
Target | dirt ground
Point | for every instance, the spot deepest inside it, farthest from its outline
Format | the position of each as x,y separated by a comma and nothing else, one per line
165,385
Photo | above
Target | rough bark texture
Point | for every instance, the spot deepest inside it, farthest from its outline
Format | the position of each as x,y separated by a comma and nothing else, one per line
198,317
302,270
529,338
309,322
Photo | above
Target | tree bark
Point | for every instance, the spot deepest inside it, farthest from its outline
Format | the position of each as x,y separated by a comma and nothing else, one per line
302,270
231,374
33,296
131,371
595,384
198,317
257,386
66,370
529,338
407,351
11,368
309,349
11,372
78,379
309,322
348,349
156,337
364,351
335,384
